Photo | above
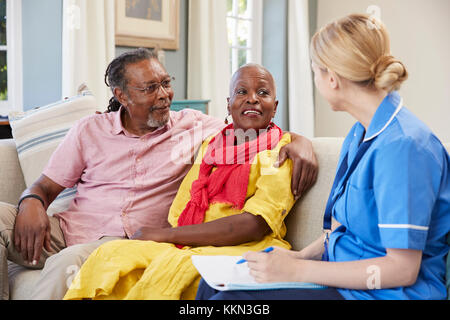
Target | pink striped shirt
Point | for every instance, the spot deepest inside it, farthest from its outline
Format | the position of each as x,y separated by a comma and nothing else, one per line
124,181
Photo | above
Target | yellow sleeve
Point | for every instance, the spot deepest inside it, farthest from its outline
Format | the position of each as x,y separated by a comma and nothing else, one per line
273,197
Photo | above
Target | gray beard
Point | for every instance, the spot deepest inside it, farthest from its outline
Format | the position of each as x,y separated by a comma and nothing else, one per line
152,123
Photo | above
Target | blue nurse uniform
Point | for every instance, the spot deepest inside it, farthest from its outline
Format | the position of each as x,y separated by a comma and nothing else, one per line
398,197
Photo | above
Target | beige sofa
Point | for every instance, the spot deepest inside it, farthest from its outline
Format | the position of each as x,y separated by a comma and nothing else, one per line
304,222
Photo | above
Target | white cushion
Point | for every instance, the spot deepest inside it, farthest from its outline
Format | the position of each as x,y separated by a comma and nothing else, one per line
21,281
38,132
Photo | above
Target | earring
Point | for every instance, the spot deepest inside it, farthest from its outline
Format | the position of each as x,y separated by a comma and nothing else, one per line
226,119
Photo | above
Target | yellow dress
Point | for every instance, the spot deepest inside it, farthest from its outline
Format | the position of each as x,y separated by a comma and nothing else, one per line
136,269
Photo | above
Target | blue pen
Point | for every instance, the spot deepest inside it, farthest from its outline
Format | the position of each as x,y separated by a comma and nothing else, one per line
267,250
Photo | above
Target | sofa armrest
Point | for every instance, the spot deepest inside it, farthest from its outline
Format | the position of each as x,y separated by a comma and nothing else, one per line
12,182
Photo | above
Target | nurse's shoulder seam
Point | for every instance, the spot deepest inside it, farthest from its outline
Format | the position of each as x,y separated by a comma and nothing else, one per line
419,137
419,149
419,131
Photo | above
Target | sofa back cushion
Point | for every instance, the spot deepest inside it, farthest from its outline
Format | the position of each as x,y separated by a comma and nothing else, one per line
38,132
12,183
304,222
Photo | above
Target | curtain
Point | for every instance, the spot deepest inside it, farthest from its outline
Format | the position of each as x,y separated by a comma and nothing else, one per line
88,46
301,100
208,55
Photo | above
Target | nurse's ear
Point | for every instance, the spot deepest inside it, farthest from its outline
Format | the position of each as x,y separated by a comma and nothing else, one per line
333,80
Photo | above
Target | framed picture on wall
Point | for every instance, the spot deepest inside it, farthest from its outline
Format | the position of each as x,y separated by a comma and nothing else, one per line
148,23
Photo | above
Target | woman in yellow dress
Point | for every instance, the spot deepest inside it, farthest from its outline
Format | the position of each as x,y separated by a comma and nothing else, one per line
232,200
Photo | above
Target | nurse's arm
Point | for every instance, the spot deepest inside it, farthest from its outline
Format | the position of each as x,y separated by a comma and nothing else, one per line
314,251
398,268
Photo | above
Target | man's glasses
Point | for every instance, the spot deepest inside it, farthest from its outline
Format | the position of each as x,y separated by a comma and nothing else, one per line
152,88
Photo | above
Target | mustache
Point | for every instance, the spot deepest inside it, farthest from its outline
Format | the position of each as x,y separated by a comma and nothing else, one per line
160,105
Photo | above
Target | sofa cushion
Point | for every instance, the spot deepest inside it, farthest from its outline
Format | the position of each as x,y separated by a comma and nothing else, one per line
11,177
38,132
21,281
304,222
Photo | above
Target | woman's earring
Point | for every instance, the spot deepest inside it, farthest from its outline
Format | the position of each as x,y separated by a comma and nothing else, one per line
226,119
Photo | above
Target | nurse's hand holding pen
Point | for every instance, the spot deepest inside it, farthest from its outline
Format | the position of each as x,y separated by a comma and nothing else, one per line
279,265
282,265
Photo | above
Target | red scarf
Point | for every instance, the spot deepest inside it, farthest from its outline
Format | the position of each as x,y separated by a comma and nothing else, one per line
229,182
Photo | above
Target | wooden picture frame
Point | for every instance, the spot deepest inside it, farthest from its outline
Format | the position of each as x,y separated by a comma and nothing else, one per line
148,23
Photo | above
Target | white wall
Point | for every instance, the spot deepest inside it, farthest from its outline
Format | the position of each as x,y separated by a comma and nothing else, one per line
419,31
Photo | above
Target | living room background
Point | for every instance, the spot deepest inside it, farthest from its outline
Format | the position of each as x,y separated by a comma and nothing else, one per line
423,45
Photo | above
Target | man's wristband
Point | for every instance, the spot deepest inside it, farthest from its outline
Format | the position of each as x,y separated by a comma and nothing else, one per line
35,196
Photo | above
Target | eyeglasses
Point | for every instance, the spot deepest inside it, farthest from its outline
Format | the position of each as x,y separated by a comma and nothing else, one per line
166,84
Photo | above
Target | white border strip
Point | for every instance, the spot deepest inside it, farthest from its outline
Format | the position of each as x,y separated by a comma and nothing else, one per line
403,226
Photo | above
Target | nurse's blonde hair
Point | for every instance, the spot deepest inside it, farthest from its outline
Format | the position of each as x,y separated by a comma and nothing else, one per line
357,48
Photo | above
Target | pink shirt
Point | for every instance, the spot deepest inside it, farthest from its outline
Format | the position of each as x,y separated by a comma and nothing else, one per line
123,181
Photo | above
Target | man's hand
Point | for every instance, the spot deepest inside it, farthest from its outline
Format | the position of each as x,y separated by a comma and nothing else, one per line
32,230
305,165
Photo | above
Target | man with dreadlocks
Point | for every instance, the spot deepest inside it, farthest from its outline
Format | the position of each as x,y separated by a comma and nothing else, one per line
126,174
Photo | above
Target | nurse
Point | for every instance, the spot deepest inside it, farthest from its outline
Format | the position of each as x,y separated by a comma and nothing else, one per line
389,208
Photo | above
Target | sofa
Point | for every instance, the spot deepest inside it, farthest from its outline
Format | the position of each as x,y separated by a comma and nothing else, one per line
304,222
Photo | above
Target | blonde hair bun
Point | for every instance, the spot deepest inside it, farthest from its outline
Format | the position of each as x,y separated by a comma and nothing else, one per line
388,73
358,49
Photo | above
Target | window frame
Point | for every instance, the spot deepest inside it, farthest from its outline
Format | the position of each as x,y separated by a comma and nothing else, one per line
255,7
13,57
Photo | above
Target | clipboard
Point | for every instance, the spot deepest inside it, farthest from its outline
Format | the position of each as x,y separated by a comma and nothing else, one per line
223,274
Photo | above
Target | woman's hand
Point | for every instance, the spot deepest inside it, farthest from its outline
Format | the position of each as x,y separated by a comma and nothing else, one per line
228,231
280,265
305,165
153,234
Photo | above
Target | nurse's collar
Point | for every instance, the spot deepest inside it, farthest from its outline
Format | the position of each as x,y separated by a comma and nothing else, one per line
381,114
